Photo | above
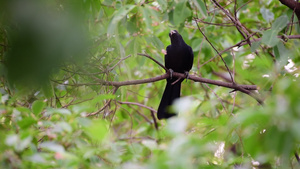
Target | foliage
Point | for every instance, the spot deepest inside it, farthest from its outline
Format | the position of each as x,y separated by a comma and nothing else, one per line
58,111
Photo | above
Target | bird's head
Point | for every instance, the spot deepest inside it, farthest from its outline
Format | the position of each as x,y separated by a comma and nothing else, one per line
175,37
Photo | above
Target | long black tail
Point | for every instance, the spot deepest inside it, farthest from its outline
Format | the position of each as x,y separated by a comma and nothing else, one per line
170,94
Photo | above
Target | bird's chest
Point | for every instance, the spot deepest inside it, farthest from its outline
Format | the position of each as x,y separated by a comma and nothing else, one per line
175,58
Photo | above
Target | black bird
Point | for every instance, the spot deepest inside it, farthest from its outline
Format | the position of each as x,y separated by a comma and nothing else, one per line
179,58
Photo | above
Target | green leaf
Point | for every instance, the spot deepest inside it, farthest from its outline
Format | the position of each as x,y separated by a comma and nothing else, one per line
196,44
131,25
282,54
52,146
163,4
47,89
24,110
201,7
97,130
151,144
280,23
103,97
276,52
37,107
148,19
156,42
18,143
58,111
255,45
270,38
181,12
295,128
119,14
37,158
64,126
267,14
26,122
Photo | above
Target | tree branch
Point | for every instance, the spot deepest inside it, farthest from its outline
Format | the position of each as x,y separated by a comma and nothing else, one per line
165,76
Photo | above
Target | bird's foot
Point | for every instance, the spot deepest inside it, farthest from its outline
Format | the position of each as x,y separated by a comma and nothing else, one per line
171,71
187,75
233,91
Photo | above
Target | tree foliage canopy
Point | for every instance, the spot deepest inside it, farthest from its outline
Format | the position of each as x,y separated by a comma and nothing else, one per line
81,82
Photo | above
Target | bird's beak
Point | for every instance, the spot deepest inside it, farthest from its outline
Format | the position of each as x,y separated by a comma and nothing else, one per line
172,32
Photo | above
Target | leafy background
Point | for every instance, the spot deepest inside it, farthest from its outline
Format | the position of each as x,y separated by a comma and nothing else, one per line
57,110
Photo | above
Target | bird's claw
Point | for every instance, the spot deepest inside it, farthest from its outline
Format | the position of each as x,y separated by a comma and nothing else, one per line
233,91
171,71
186,73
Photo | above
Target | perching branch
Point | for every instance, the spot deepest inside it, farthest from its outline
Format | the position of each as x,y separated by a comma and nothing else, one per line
165,76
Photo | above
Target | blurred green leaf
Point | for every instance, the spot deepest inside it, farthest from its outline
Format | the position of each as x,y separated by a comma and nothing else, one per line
37,158
52,146
40,41
58,111
181,12
26,122
147,17
196,44
97,130
118,15
103,97
201,7
280,23
267,14
255,46
47,89
163,4
156,42
270,38
18,143
38,106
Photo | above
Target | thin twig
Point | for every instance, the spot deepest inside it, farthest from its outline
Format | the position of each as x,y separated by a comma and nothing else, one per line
215,24
152,111
217,97
141,114
216,51
105,105
98,111
112,68
157,62
154,120
235,20
244,42
138,104
243,5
